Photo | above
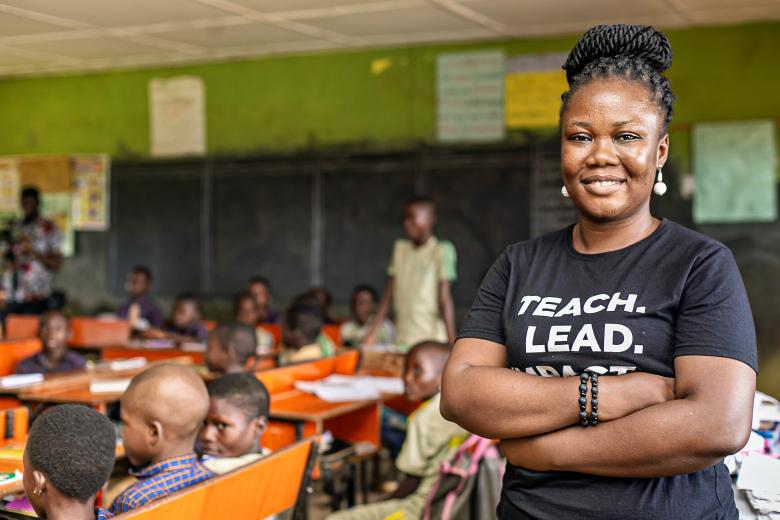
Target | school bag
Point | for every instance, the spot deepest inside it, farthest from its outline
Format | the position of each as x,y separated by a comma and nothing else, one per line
469,484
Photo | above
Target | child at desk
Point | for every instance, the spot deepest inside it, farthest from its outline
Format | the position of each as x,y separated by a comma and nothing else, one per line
54,332
230,347
430,439
301,334
185,324
421,270
68,457
245,310
162,411
363,307
260,289
139,307
237,418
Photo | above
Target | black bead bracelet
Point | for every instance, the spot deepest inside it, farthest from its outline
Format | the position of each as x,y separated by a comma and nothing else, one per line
584,398
594,399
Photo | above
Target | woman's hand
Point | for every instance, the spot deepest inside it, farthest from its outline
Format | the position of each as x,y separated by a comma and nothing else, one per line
623,395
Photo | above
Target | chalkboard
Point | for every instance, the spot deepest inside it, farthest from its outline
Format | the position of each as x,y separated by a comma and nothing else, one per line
326,218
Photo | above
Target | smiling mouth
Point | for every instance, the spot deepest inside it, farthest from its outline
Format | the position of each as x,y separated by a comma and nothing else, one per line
599,185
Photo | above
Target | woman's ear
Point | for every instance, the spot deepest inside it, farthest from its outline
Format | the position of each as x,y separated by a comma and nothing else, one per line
663,151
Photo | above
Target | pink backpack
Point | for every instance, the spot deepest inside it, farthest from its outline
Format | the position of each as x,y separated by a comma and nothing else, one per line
469,484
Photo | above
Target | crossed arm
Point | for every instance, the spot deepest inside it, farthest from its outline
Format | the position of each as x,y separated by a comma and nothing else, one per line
645,429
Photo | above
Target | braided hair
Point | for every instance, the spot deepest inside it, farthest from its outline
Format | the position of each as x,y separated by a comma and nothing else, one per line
632,52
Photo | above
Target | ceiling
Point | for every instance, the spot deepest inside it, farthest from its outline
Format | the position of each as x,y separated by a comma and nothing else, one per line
61,36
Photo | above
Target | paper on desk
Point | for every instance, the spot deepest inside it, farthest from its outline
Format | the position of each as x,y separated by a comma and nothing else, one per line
127,364
337,388
765,408
191,346
20,380
383,385
109,386
760,474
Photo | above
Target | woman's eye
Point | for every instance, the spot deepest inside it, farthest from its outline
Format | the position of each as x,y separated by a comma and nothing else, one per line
628,137
579,138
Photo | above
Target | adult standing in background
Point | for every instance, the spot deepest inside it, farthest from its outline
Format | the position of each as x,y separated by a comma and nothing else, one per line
32,257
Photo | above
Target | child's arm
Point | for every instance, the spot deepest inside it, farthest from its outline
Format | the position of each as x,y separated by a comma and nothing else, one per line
381,312
406,487
447,310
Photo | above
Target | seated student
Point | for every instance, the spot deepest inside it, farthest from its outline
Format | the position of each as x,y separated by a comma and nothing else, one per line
245,310
300,334
260,289
430,439
54,332
68,457
185,323
139,306
237,418
325,299
363,307
229,348
162,411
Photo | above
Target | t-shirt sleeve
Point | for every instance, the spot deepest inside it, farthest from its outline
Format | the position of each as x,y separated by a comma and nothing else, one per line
485,318
391,266
714,318
448,262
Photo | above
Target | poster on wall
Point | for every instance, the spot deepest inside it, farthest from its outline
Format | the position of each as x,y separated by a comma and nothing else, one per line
90,194
55,206
9,187
734,165
177,116
534,84
470,97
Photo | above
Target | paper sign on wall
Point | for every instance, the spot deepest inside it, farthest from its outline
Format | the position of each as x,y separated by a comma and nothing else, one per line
90,194
470,96
534,85
177,116
734,165
9,186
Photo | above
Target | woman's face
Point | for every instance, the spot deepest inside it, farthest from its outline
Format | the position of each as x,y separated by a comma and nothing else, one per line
610,149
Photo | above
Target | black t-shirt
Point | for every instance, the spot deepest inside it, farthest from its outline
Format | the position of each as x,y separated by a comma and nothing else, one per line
560,312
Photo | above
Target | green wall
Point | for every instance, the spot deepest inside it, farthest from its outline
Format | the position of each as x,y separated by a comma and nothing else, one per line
287,103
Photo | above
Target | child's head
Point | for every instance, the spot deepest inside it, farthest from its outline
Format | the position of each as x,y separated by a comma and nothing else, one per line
324,298
54,332
303,324
162,411
237,418
139,280
363,304
229,347
68,457
186,310
423,369
419,218
260,289
245,308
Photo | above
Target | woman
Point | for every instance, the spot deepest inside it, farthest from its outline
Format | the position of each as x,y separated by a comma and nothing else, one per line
657,310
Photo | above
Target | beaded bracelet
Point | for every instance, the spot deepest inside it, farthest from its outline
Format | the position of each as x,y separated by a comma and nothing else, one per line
594,399
583,400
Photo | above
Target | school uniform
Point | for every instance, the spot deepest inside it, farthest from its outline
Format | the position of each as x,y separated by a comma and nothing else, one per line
430,440
221,465
352,333
158,480
102,514
148,310
417,272
38,364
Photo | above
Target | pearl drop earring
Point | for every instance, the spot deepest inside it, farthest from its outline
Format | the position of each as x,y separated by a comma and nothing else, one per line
564,191
659,188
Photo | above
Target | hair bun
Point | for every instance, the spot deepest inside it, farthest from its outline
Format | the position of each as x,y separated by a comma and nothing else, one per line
606,41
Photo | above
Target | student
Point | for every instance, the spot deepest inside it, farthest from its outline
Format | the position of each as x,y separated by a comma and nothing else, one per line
54,333
139,305
185,323
418,284
229,348
68,457
237,418
260,289
245,310
162,411
430,439
324,299
302,328
363,307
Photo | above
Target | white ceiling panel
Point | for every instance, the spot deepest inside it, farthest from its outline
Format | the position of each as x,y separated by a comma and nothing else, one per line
116,13
233,35
401,21
91,48
55,36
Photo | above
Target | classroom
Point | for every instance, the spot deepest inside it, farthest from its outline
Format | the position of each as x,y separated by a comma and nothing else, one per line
372,259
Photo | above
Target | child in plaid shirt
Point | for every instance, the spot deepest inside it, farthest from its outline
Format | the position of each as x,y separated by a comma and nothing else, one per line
162,411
